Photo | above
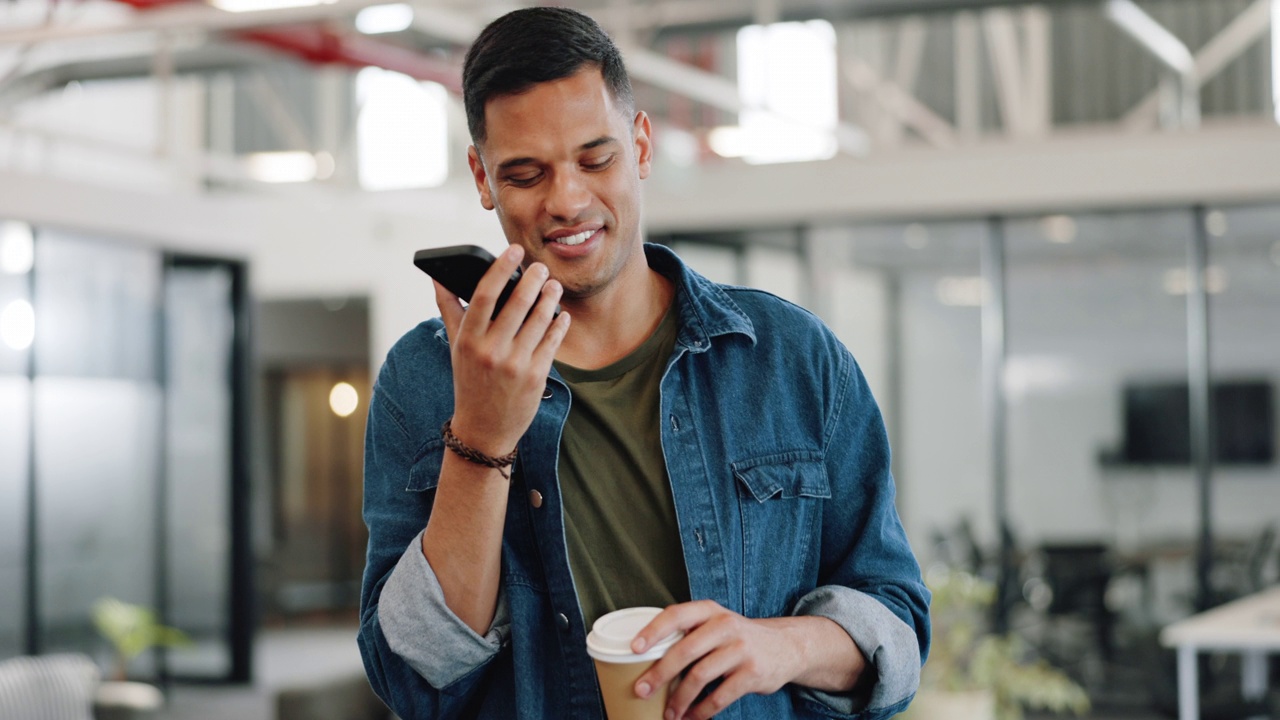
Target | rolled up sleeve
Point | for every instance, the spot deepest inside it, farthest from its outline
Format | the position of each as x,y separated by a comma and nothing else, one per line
890,646
422,630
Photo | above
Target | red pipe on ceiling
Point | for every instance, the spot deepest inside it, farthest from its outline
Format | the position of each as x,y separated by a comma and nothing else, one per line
324,45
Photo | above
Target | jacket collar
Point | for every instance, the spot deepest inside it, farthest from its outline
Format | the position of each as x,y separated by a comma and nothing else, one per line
705,309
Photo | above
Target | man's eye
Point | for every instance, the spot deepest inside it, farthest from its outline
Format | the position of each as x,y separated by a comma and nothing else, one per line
523,179
598,164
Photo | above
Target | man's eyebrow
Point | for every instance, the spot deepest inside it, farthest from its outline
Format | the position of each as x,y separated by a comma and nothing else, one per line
605,140
517,162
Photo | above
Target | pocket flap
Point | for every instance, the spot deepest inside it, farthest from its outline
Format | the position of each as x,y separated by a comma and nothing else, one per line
425,473
799,473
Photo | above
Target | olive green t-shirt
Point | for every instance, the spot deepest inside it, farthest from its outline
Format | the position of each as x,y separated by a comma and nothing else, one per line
620,520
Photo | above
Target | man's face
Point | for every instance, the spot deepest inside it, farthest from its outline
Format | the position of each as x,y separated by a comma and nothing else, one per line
561,164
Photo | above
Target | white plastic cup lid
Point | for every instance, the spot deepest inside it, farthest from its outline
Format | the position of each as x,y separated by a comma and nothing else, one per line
610,637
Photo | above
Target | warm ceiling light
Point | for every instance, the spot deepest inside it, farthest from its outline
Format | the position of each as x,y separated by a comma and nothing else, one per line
18,325
281,167
377,19
17,248
728,141
238,6
1176,280
325,165
961,291
1215,223
678,146
1060,229
343,399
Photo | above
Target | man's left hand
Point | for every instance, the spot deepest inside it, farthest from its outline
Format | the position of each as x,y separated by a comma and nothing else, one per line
752,656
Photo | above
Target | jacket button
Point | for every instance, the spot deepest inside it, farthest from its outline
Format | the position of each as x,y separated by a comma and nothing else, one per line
535,498
563,620
546,394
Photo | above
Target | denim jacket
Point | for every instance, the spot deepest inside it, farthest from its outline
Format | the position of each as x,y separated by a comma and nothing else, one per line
779,469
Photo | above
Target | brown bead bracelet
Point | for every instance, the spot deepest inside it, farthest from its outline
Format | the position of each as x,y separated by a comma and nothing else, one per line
471,454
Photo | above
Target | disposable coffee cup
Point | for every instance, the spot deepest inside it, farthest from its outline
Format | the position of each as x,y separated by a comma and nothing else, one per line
609,645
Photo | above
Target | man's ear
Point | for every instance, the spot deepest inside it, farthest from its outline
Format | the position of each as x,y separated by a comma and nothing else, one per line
481,177
642,132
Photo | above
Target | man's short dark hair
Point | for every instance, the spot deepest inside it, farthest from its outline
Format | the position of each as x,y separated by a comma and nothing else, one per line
536,45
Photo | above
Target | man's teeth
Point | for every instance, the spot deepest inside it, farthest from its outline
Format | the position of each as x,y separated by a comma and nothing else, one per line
576,239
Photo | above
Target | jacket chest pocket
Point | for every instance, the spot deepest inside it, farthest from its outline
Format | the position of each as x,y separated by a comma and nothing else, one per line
780,498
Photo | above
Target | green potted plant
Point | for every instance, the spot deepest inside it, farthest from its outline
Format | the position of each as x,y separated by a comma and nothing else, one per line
131,630
973,674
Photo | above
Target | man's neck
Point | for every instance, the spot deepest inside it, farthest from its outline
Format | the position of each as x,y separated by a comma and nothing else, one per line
609,325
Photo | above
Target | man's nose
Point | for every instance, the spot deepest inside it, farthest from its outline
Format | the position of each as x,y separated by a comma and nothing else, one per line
568,196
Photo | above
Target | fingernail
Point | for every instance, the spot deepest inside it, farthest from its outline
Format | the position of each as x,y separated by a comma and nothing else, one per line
669,714
643,690
637,645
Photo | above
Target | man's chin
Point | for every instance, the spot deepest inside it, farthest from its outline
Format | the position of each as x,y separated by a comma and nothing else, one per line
577,292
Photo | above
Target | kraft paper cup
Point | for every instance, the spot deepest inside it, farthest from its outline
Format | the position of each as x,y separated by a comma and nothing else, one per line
618,669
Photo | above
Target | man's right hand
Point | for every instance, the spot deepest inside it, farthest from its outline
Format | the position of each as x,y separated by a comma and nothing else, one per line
500,366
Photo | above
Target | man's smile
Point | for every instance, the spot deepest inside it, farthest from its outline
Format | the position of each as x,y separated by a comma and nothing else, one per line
577,239
573,236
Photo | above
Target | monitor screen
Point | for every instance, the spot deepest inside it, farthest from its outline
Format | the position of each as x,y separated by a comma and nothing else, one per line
1157,423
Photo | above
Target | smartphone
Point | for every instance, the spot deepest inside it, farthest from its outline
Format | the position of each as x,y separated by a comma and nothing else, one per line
460,267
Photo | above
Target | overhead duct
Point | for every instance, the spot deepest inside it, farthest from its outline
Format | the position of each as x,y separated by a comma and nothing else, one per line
207,59
323,45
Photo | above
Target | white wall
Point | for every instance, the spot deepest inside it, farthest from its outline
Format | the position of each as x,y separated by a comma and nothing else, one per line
943,453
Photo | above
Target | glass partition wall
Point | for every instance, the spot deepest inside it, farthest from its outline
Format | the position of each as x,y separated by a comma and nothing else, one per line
122,420
16,326
1094,317
97,430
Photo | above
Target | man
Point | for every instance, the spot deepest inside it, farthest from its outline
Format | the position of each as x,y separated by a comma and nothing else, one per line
662,441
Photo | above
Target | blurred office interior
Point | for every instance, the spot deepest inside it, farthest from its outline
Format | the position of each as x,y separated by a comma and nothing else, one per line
1049,232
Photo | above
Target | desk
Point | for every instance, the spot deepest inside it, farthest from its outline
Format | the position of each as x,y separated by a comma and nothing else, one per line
1250,626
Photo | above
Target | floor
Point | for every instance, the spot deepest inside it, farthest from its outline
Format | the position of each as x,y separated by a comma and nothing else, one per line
282,658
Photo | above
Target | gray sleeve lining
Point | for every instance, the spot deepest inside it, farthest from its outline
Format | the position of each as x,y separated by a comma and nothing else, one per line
889,645
421,628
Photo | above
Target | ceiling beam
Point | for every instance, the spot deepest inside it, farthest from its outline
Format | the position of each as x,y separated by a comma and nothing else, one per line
702,15
1247,28
209,59
183,16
